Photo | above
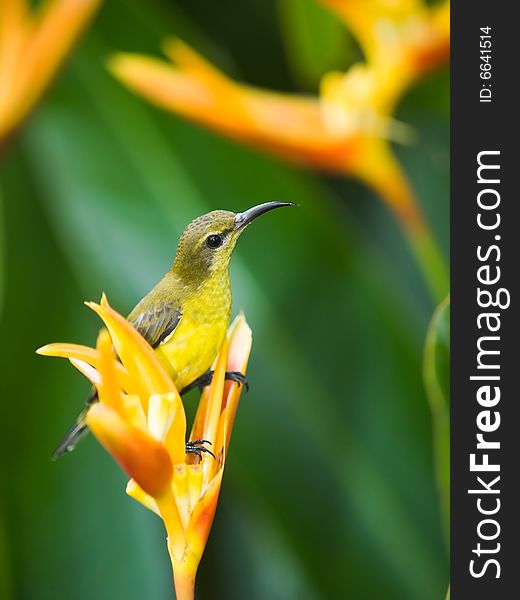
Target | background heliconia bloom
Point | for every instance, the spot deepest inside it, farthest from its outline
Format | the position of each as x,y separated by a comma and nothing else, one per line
330,489
346,129
33,45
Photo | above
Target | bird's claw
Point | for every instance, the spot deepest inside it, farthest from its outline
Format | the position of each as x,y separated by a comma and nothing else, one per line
200,383
238,377
197,447
206,379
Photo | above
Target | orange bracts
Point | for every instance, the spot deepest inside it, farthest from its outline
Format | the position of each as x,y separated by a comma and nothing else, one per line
141,422
33,45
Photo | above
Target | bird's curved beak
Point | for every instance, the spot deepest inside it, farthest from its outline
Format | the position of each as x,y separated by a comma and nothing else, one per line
244,218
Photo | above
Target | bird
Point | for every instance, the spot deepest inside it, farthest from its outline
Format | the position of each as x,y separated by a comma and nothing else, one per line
186,315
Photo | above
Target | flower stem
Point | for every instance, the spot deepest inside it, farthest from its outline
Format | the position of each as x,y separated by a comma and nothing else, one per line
184,566
184,582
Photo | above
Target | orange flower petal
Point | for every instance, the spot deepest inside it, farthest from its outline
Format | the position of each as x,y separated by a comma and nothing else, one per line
79,355
64,350
134,412
108,389
181,492
240,338
135,353
139,455
167,423
197,430
240,341
14,29
220,403
202,517
58,25
137,493
195,481
215,392
286,124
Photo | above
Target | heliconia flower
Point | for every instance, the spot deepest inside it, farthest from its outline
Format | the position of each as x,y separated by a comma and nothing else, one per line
342,130
192,87
141,422
346,129
33,45
301,129
401,40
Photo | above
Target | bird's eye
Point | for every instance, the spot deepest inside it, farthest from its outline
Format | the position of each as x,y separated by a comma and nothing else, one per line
214,241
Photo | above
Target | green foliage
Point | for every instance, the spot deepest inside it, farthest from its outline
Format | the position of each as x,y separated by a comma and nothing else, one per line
330,486
437,382
2,251
315,39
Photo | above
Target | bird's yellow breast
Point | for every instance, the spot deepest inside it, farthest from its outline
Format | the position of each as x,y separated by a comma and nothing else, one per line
197,339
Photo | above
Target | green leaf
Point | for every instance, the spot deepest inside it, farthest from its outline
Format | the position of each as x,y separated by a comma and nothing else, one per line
437,382
2,252
5,566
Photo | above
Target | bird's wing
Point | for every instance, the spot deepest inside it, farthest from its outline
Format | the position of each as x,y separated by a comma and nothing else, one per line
157,322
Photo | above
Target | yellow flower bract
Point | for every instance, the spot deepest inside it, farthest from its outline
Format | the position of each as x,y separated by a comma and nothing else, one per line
141,422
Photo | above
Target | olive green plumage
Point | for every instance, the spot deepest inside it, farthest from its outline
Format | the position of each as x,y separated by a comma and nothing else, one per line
186,315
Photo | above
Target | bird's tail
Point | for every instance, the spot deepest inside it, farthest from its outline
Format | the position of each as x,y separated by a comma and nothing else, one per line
72,437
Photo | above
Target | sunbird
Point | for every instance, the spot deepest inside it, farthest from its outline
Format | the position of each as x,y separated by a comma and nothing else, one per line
185,317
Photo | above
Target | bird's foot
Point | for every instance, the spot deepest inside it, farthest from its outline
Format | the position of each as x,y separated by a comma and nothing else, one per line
200,383
239,378
206,379
197,447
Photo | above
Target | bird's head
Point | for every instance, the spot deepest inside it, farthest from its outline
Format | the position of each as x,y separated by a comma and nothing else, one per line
206,245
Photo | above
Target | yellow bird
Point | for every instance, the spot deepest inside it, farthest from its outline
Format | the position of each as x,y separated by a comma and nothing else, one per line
186,315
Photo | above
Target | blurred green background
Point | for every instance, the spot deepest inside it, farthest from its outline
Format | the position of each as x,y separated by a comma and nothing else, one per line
329,491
